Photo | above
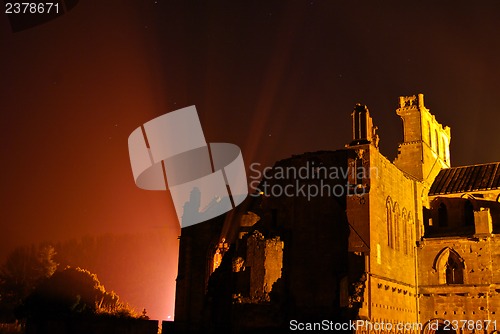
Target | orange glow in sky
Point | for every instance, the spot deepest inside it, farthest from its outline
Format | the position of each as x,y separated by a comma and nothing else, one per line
274,79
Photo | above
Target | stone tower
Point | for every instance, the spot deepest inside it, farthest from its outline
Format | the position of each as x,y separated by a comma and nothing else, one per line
425,148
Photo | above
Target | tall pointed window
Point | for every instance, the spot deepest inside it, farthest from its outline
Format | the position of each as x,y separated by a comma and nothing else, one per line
450,267
454,270
443,215
405,231
429,133
437,143
396,227
469,213
388,209
444,150
411,228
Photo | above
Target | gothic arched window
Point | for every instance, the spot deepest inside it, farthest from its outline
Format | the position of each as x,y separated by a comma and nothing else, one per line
411,228
405,231
396,227
443,215
454,270
429,133
444,151
469,213
450,267
388,209
437,143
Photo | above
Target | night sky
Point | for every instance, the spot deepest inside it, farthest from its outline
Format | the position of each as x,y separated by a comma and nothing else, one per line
274,77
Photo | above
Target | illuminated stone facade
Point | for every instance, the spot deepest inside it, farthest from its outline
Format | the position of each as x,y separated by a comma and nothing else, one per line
347,235
459,255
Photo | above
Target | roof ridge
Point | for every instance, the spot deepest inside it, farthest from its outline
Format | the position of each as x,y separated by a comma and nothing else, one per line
482,164
463,179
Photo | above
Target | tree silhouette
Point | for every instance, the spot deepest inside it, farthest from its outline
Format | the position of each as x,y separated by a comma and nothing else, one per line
71,292
24,268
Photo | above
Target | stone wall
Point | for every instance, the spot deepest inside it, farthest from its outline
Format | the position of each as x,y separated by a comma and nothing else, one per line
196,252
392,219
315,235
264,260
478,298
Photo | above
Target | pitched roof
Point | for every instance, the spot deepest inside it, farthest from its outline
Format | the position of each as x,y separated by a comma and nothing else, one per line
467,178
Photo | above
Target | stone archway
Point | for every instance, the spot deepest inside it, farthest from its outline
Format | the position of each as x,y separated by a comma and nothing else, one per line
450,267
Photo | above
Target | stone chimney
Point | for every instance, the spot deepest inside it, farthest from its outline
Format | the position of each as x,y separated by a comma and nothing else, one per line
483,222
